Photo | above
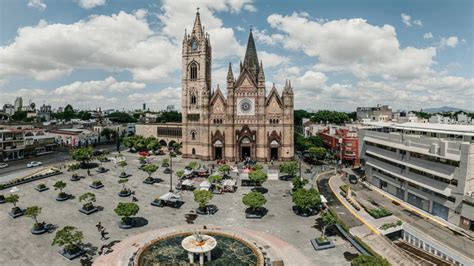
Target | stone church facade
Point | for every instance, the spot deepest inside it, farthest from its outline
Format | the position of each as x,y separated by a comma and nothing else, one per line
246,122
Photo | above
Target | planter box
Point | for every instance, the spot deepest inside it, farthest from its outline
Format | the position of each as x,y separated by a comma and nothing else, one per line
96,186
17,214
158,203
210,209
125,194
41,189
73,255
39,231
58,198
101,170
76,178
149,181
87,212
258,214
163,203
2,201
126,226
322,245
33,178
124,175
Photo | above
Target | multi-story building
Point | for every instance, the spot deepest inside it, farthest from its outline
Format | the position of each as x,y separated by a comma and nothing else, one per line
377,113
166,133
430,166
439,119
18,103
75,137
8,109
343,142
38,142
12,144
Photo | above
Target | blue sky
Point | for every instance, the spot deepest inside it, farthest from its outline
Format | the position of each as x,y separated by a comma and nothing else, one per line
338,54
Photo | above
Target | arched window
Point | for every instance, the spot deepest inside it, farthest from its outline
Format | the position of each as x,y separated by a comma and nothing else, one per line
193,71
193,135
193,99
193,151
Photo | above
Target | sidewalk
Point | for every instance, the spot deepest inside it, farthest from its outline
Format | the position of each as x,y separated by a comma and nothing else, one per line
369,232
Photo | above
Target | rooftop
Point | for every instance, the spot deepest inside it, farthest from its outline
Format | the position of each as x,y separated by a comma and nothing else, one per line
467,130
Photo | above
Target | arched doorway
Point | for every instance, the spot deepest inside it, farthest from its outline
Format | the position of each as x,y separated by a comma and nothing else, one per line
163,143
217,149
245,148
274,150
171,144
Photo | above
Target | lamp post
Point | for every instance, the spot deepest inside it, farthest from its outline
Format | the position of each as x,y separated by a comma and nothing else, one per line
171,173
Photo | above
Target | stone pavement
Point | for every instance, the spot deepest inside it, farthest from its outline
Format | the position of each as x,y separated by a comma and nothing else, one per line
19,247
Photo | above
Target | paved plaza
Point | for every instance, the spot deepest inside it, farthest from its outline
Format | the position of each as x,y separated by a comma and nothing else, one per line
20,247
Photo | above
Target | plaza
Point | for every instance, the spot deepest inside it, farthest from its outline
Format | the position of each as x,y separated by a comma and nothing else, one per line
20,247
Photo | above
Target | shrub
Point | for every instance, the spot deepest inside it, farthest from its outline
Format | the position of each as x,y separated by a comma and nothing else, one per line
344,188
96,183
41,185
379,212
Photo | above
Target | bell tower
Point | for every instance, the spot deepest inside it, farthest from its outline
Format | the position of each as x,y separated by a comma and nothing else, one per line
196,91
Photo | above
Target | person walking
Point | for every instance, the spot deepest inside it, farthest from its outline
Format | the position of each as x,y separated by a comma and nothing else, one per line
99,226
103,234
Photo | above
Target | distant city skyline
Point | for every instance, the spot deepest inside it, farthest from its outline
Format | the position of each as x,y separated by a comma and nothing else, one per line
338,54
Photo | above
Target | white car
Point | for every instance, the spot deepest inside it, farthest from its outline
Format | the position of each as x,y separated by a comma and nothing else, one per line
33,164
3,165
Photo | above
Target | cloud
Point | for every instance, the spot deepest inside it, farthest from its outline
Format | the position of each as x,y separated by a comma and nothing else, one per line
157,100
271,60
353,45
38,4
261,36
109,84
428,35
88,4
451,41
406,19
418,23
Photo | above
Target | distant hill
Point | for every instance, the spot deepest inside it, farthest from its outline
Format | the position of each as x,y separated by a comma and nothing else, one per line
443,109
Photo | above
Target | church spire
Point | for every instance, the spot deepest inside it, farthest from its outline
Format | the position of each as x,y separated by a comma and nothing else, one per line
251,59
197,29
261,75
230,74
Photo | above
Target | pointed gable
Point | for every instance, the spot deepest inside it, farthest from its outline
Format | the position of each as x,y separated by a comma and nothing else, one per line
218,102
273,103
245,79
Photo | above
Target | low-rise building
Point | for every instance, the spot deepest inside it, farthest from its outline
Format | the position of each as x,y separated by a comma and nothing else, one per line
377,113
75,137
430,166
12,144
166,133
344,142
38,142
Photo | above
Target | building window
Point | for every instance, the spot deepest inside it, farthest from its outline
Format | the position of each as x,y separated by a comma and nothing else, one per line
193,151
193,99
193,135
193,71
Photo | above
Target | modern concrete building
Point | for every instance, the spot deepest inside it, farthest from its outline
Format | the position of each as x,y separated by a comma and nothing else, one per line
343,142
12,144
166,133
377,113
430,166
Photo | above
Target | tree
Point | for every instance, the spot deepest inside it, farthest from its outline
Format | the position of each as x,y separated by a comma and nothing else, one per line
254,200
169,116
179,173
125,210
165,162
306,199
33,212
68,113
332,117
368,260
258,177
60,185
327,219
122,165
82,155
73,168
121,117
298,183
317,153
13,199
69,237
191,165
299,115
150,169
224,168
153,145
20,116
129,142
88,199
123,181
256,167
316,141
107,133
290,168
202,197
214,179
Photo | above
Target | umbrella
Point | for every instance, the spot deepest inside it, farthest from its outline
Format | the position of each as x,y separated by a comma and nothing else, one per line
228,182
187,172
170,197
205,184
187,182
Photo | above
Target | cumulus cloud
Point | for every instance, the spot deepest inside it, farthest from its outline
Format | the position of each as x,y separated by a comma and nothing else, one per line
406,19
428,35
88,4
38,4
418,23
109,84
158,100
353,45
451,42
261,36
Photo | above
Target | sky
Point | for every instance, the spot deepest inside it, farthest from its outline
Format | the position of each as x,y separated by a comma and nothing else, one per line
339,55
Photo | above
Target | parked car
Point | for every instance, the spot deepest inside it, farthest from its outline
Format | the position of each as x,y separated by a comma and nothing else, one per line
352,179
3,165
144,153
33,164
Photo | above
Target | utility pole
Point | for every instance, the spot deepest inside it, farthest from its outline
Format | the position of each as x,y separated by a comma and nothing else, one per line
171,173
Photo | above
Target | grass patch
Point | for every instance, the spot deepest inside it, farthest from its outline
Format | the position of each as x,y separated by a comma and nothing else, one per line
344,188
378,212
386,226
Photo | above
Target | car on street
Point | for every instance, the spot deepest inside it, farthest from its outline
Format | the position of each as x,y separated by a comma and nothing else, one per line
33,164
353,179
144,153
3,165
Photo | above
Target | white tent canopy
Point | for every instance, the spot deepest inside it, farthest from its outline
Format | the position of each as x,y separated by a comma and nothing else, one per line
228,182
187,182
188,172
170,197
204,185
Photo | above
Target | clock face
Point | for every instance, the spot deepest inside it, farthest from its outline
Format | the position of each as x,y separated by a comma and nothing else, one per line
246,107
194,46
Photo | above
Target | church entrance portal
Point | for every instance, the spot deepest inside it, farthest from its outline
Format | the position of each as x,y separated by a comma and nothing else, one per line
274,154
217,153
244,152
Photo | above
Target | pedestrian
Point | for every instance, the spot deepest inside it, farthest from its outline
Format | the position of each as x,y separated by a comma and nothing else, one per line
99,226
88,172
103,234
134,199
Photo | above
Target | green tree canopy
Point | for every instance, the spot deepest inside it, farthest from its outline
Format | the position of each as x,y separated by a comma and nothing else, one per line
13,199
33,212
153,145
88,198
59,185
290,168
224,168
179,173
82,155
368,260
192,165
150,169
126,209
254,200
306,198
317,153
327,219
202,197
258,177
316,141
121,117
214,179
169,116
123,181
69,237
298,183
332,117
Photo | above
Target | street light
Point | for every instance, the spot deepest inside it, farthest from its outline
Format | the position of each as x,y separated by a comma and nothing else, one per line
171,173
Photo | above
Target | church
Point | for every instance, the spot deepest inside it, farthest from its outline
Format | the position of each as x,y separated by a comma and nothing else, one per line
246,122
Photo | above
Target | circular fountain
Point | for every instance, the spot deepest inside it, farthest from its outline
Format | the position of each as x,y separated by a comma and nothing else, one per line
199,244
